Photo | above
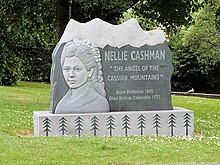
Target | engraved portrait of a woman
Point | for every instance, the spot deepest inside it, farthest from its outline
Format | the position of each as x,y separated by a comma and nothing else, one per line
82,71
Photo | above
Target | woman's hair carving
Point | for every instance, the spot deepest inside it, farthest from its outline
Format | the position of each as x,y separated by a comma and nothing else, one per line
90,56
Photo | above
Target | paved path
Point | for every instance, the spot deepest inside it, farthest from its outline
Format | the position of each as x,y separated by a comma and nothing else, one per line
216,96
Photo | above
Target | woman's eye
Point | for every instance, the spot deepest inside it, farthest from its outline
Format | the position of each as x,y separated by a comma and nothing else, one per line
78,69
66,69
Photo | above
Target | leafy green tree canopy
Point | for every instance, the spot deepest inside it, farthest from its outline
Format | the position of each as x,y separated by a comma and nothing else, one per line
27,32
196,54
203,36
171,14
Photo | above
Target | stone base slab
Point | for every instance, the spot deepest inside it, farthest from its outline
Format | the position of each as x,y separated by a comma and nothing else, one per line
176,122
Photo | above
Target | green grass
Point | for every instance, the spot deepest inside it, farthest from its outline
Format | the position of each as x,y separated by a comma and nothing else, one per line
18,146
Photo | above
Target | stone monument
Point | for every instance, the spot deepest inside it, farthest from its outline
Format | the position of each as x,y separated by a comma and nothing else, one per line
109,80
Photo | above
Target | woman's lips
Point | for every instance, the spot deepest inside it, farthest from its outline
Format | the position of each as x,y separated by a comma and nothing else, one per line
72,81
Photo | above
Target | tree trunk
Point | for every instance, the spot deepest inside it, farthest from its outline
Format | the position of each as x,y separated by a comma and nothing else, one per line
77,12
62,16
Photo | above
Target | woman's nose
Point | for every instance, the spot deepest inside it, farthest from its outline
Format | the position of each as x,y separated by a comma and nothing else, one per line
72,73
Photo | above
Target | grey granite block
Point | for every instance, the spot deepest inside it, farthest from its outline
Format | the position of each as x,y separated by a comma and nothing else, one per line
177,122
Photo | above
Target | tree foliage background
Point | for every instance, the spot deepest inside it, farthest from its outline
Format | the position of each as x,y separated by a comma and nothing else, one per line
27,35
196,52
30,29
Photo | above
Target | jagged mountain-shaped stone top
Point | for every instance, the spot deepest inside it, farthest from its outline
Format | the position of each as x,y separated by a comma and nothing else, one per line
102,33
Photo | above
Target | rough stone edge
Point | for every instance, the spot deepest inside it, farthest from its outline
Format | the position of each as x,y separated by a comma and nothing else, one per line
106,33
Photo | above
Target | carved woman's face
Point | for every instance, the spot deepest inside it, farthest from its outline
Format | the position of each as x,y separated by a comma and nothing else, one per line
75,72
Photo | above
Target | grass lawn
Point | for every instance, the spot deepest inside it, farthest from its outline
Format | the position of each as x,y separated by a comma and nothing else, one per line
18,146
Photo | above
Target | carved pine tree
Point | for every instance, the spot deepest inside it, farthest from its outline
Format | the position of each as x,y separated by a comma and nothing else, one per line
126,124
94,122
172,122
186,121
79,122
141,123
156,122
63,125
46,126
110,124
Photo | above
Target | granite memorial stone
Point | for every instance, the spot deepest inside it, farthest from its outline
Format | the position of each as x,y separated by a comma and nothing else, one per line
133,72
112,80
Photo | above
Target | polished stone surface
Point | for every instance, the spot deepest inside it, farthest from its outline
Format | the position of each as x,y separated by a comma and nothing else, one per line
137,78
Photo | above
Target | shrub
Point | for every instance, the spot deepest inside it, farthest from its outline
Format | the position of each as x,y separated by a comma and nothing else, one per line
192,69
9,67
28,35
